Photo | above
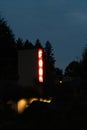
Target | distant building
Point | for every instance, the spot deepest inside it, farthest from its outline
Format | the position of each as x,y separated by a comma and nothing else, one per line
30,68
27,67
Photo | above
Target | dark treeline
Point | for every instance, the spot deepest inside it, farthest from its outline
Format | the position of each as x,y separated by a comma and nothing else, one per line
20,44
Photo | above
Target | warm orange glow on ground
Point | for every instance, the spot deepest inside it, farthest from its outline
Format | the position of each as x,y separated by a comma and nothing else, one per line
45,100
39,99
21,105
32,99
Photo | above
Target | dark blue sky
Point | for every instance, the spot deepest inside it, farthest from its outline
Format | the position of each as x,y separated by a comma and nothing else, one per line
62,22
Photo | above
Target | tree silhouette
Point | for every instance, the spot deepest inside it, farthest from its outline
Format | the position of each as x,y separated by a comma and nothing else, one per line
7,52
38,44
49,55
28,45
84,63
19,43
7,40
73,69
59,73
49,64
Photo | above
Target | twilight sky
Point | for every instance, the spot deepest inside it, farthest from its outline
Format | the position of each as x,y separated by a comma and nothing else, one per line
62,22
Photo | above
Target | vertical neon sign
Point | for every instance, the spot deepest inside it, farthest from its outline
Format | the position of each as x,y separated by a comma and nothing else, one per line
40,65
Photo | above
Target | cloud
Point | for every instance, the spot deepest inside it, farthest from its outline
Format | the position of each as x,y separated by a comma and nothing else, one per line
80,16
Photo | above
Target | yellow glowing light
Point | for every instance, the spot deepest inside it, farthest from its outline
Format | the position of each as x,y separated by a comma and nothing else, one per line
39,99
21,105
48,101
40,71
32,99
45,100
40,63
61,81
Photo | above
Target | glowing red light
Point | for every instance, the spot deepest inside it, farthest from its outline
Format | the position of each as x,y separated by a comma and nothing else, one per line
40,71
40,79
40,53
40,65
